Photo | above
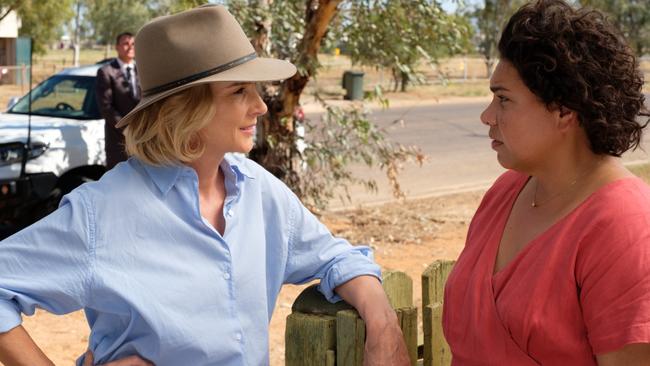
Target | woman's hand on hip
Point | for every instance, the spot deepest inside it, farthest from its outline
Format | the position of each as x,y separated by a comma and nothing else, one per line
127,361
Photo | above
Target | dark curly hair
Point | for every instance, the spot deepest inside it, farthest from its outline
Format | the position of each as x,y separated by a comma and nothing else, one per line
577,59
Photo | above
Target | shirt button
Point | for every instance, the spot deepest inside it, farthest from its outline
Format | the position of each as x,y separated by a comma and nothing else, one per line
238,337
226,275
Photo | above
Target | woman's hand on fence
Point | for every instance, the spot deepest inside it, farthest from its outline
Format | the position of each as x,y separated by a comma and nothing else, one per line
89,360
385,346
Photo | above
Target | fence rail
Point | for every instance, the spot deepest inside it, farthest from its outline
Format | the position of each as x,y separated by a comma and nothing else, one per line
319,333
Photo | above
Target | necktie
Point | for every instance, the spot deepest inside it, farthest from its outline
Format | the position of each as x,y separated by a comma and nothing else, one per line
129,78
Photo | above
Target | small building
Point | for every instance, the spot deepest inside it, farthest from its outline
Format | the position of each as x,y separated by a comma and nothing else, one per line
8,39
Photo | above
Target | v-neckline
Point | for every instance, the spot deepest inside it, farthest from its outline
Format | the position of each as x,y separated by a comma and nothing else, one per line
531,243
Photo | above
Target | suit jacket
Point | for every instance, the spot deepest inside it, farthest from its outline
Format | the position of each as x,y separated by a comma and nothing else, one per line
115,99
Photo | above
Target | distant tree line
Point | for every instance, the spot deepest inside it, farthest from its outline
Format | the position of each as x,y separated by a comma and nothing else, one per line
631,16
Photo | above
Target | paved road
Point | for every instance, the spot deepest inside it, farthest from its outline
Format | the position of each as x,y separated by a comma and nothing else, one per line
451,135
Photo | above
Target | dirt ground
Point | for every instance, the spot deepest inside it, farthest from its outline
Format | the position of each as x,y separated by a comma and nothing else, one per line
405,236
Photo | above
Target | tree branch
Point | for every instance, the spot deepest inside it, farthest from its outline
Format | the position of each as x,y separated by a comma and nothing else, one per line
11,7
319,14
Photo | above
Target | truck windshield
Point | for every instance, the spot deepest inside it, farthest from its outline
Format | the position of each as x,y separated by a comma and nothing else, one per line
63,96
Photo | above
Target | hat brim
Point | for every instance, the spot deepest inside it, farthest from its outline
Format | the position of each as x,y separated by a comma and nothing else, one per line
257,70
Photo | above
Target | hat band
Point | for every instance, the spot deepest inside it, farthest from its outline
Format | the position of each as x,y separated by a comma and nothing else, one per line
201,75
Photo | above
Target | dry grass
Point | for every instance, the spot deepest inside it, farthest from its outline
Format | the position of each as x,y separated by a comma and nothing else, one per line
641,170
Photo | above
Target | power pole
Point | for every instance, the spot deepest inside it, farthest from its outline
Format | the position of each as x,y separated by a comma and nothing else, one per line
77,36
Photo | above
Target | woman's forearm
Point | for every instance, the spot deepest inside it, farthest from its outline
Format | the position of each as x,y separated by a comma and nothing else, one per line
17,348
384,340
366,294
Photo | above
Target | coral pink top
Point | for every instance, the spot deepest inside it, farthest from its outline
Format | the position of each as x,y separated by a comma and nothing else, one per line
580,288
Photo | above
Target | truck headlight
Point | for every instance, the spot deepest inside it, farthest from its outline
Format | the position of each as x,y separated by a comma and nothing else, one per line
12,153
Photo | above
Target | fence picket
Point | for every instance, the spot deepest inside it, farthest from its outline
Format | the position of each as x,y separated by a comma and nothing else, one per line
433,281
436,349
399,289
351,334
309,338
408,321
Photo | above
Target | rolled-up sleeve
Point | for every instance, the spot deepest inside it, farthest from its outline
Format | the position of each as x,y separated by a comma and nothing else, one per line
315,253
48,265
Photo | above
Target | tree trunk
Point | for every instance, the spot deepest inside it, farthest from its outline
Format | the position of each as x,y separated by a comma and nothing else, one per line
276,147
395,72
9,9
263,29
489,65
77,37
260,42
404,81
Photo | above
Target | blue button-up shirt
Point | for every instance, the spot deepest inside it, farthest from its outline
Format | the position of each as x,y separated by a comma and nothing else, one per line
157,280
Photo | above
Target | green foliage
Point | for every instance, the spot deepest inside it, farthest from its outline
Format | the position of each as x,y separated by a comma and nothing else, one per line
165,7
108,18
398,34
631,16
288,24
345,136
490,20
40,19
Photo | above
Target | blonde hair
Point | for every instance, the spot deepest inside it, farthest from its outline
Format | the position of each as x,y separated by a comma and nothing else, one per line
167,131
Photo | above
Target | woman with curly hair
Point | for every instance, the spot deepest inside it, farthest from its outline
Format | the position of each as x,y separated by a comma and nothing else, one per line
556,267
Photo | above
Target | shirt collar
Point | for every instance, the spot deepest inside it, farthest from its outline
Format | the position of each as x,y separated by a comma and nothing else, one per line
165,176
124,65
237,165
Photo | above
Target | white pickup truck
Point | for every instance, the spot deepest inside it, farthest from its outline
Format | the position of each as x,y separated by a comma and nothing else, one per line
66,146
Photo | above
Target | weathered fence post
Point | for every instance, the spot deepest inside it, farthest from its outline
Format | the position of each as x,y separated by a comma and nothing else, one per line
436,349
399,289
310,335
350,338
313,340
321,333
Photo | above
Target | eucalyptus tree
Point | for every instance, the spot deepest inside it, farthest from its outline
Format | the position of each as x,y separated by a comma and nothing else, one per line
108,18
399,34
490,20
165,7
298,30
40,19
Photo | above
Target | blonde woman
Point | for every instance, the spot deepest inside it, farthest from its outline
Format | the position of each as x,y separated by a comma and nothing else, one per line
177,255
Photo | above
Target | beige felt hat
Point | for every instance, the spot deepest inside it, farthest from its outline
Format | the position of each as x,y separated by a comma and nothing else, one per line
197,46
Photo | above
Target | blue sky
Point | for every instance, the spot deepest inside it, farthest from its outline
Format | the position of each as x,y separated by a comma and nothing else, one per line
451,5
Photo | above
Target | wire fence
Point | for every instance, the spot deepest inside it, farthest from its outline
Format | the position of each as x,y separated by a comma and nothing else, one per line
14,79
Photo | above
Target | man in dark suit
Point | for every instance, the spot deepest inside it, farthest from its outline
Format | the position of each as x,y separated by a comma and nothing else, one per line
118,92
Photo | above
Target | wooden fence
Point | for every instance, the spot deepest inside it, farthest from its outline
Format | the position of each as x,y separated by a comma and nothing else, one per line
319,333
